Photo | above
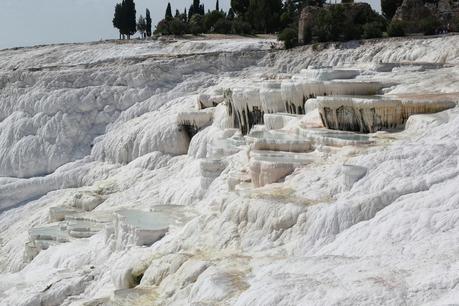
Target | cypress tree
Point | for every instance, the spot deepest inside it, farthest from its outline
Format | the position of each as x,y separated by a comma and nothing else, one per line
129,18
142,26
168,11
117,19
217,6
177,13
230,15
148,20
190,12
240,7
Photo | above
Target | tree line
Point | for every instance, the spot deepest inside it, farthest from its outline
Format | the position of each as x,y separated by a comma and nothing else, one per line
243,17
125,20
326,22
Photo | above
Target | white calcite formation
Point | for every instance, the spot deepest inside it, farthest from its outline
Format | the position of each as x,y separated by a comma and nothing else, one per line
279,120
244,107
270,95
247,105
211,168
327,74
278,141
105,199
84,225
139,228
193,121
325,137
209,100
267,167
41,238
351,174
371,114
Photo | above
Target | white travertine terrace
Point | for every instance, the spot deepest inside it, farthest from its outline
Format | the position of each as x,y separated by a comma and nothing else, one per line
327,74
41,238
84,225
424,106
371,114
274,227
351,174
279,121
270,95
247,105
334,138
211,168
209,100
193,121
277,141
139,228
268,167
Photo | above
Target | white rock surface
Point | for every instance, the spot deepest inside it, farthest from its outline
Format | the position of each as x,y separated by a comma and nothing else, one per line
99,120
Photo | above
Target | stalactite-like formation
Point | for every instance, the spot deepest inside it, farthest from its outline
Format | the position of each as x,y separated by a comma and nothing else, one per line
192,122
368,115
248,105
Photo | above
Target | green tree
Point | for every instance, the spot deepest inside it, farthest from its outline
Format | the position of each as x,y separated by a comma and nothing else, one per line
396,28
196,24
148,21
241,27
163,27
240,7
388,8
210,19
117,19
142,26
217,6
129,21
177,26
168,11
430,25
223,26
264,15
230,15
372,30
289,36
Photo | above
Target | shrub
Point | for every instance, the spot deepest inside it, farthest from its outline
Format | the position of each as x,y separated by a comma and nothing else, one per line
388,7
210,19
430,25
177,26
372,30
290,37
352,31
241,27
162,27
396,29
223,26
307,35
196,24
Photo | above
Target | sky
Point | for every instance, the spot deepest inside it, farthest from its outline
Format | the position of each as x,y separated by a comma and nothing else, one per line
33,22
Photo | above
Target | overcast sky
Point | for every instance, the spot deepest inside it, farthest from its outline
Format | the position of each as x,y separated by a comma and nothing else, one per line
32,22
